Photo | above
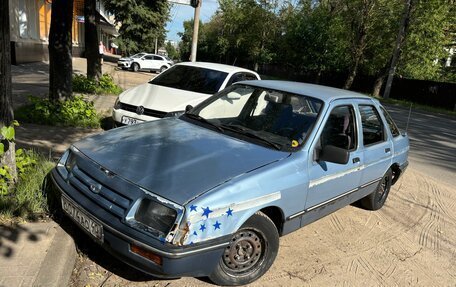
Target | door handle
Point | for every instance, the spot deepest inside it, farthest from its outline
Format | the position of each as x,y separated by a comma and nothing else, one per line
387,150
355,159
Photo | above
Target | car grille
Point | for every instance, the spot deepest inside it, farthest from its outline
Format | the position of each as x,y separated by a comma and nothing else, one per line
147,112
116,201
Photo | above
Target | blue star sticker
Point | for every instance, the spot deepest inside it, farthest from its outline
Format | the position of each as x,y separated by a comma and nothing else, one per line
229,212
217,225
203,226
206,212
193,208
194,233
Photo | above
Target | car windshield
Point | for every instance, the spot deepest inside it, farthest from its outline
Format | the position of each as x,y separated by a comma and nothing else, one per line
194,79
267,117
137,55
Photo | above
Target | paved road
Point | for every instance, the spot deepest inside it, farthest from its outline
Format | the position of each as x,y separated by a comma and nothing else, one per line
432,142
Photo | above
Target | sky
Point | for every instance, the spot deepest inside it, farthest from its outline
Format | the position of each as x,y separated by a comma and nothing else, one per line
180,13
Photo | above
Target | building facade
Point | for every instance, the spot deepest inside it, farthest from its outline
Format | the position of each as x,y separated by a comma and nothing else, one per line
30,24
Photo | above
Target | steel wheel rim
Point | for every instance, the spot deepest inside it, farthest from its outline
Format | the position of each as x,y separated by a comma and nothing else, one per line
245,253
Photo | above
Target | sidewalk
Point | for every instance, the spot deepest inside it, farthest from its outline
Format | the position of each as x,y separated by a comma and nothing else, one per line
35,254
43,254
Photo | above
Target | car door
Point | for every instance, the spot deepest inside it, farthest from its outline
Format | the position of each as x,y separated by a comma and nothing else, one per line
330,181
376,145
157,62
147,62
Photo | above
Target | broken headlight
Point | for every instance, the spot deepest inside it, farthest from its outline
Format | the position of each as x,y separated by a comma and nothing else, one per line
155,215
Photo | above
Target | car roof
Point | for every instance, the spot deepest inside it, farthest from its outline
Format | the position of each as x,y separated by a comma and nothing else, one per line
323,93
216,66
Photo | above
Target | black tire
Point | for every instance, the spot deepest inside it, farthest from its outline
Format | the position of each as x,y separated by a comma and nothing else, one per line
376,199
162,69
135,67
257,242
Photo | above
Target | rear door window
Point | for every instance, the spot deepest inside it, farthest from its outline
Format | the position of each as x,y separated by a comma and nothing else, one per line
393,128
373,131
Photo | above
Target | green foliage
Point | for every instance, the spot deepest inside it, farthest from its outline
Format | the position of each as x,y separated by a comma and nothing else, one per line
427,37
172,52
76,112
27,197
106,85
142,22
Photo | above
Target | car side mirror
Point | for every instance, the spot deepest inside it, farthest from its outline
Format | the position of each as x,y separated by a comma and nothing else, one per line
188,108
334,154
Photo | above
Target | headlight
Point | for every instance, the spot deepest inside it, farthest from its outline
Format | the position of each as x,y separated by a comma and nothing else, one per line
117,104
174,114
156,215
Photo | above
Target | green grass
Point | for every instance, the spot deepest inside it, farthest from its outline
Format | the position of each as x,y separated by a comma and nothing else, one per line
406,104
76,112
106,85
28,198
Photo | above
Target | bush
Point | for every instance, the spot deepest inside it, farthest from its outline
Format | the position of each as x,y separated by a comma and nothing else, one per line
106,85
76,112
27,198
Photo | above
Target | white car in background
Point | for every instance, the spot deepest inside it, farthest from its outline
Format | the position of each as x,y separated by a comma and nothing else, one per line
170,92
145,61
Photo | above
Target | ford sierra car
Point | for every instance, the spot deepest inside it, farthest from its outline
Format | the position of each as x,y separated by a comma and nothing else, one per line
209,193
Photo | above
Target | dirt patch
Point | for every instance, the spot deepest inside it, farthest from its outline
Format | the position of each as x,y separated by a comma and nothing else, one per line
410,241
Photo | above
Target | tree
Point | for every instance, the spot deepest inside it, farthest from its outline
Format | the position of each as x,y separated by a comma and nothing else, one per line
7,148
426,39
60,53
359,13
91,20
143,21
171,50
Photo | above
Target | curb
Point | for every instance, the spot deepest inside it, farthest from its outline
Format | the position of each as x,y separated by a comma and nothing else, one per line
58,264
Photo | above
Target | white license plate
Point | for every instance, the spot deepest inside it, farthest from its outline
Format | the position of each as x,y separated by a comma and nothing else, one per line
130,121
83,219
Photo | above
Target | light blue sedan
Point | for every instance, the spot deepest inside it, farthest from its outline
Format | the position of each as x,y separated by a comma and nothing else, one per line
210,193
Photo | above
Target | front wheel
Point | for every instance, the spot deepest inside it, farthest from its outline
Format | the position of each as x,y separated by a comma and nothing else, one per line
162,69
250,254
135,67
376,199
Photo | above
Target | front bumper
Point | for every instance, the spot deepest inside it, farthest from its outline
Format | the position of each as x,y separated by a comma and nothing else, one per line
123,64
194,260
117,115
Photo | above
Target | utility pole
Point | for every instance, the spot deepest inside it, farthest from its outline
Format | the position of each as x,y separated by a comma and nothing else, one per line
195,30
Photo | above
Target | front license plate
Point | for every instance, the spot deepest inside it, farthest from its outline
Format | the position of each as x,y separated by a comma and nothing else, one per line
130,121
83,219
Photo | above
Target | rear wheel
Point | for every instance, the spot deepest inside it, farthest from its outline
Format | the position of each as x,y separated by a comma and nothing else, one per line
162,69
376,199
135,67
251,252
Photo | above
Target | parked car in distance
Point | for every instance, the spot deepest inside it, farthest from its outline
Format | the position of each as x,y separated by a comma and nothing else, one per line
170,92
209,193
145,61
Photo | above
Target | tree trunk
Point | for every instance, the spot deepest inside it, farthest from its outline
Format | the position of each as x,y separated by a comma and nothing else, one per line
60,54
353,71
91,20
378,85
6,99
397,49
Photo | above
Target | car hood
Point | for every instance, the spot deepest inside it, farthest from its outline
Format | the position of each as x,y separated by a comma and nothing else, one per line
161,98
175,159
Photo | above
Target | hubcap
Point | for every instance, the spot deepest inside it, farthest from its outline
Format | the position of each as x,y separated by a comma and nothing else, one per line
244,252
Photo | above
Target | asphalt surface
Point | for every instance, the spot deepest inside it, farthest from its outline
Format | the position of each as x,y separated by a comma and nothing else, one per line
432,142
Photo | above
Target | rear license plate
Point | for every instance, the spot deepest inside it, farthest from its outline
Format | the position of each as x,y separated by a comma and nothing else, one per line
130,121
92,227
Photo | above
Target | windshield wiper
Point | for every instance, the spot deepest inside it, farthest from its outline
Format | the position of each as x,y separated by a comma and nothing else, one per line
201,119
245,131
